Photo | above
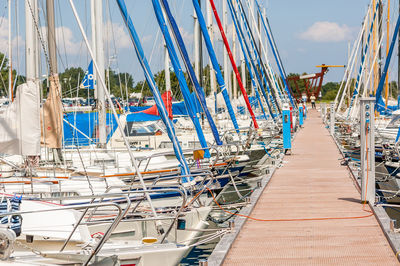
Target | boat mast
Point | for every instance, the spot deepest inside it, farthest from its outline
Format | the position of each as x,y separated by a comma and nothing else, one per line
196,52
200,38
226,70
51,37
31,68
198,55
10,96
97,34
243,66
52,108
398,66
167,73
387,51
213,82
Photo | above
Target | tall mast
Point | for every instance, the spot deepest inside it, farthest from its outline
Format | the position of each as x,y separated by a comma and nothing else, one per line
196,52
387,51
226,70
374,46
32,75
398,65
51,37
10,96
97,7
243,66
31,68
213,81
264,15
52,108
200,51
166,69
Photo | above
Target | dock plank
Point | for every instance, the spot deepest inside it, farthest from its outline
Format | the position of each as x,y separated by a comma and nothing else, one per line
311,184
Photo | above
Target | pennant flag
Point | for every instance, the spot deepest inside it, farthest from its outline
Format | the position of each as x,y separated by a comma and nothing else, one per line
88,80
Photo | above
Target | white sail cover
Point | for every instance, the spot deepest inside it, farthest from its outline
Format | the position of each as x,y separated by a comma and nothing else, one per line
20,123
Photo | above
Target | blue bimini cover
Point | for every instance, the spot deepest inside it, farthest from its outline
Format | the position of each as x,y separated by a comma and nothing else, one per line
82,126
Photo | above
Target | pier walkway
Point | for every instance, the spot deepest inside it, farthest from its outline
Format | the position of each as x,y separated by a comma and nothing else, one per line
311,184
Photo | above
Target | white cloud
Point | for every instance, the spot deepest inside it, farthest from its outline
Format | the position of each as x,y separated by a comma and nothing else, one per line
147,38
16,40
115,34
66,43
325,31
186,36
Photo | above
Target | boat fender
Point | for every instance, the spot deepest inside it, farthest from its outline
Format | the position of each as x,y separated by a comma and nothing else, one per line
7,240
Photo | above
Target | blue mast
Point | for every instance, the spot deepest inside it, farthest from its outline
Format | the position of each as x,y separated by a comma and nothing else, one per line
363,59
249,67
199,91
240,35
153,87
213,57
179,74
275,53
385,69
261,67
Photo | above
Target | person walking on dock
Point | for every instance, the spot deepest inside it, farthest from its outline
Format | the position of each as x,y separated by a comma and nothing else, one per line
312,99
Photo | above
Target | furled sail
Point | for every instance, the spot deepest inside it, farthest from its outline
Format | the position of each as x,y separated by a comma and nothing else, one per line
167,99
20,122
52,116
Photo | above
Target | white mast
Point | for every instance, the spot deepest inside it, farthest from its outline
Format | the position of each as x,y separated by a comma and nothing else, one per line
226,70
167,73
166,66
9,53
211,32
243,66
31,67
196,46
254,28
97,33
264,16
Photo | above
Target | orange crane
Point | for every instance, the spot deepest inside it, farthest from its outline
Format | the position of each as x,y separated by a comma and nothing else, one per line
312,82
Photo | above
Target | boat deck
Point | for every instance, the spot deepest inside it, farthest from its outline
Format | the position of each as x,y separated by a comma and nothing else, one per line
312,184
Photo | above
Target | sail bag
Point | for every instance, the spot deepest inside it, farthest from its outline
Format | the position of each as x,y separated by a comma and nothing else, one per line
20,122
52,115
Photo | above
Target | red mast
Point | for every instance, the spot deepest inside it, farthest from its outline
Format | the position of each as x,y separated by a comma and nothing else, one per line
228,49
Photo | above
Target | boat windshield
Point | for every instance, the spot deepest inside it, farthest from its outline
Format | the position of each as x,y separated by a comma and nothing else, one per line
395,122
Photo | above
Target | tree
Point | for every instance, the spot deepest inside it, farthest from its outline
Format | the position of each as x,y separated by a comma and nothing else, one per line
4,72
119,83
329,91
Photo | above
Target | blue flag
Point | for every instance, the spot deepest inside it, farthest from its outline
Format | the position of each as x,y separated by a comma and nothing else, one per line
88,80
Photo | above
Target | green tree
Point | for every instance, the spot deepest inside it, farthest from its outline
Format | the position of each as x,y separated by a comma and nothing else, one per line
4,71
329,91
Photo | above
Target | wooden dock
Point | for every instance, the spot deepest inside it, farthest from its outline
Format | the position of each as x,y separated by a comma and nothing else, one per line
311,184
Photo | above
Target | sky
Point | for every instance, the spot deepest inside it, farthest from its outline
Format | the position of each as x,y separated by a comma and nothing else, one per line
307,33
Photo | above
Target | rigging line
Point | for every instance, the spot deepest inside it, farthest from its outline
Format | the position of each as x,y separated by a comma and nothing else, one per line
150,60
263,52
17,40
292,219
245,48
57,91
363,56
63,34
199,92
233,63
40,37
260,62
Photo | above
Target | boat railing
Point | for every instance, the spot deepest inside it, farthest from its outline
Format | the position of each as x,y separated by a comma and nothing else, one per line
216,148
85,208
151,189
121,212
